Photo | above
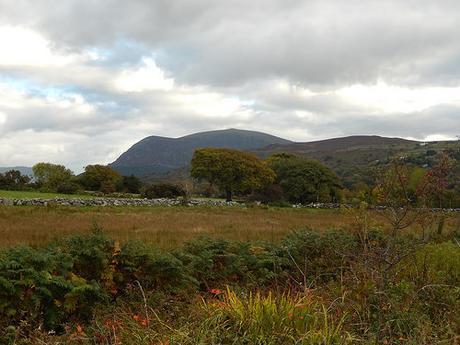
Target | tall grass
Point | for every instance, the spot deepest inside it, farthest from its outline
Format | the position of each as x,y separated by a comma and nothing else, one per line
168,227
256,318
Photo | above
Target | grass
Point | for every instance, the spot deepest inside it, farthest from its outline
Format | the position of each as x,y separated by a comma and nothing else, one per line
12,194
167,227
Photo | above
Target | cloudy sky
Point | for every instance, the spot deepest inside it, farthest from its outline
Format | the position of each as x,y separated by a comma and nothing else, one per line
82,80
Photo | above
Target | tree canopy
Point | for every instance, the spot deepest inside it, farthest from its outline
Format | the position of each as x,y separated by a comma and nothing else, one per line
50,176
231,170
304,180
100,178
14,180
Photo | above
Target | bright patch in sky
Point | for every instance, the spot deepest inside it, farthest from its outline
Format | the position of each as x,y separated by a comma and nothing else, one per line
438,137
209,104
148,77
382,97
2,118
21,46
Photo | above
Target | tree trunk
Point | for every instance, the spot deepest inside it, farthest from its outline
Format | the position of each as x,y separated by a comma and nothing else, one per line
229,194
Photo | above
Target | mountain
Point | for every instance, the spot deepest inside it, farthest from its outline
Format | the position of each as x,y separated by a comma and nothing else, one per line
357,158
160,155
345,143
353,158
22,170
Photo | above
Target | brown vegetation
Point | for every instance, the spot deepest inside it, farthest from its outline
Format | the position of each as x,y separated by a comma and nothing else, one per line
167,227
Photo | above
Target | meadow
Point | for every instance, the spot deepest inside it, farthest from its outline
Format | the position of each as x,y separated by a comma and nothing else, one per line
166,227
21,194
169,227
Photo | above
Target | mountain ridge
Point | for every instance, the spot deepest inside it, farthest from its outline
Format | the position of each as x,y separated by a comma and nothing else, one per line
157,154
163,158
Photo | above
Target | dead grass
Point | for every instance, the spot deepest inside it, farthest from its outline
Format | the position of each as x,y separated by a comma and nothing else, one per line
167,227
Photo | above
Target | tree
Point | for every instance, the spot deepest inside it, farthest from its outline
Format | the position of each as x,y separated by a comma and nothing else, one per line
231,170
100,178
304,180
50,176
14,180
408,193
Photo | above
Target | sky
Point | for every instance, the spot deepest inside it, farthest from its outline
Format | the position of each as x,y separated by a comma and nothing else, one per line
83,80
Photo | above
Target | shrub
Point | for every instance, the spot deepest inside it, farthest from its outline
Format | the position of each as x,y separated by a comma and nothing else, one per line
163,190
68,188
215,261
153,269
310,255
45,287
272,194
131,184
62,284
432,264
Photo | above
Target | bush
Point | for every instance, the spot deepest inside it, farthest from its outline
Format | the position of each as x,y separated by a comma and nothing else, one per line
62,284
163,190
68,188
313,256
433,264
270,195
153,269
50,286
215,261
131,184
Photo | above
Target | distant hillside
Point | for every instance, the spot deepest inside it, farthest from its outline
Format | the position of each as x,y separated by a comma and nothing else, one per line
159,155
22,170
355,158
337,144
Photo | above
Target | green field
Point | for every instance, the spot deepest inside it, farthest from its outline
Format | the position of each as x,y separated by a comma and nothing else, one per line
13,194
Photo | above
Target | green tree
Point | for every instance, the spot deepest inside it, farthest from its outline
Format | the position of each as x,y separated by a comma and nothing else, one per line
304,180
50,176
231,170
13,179
100,178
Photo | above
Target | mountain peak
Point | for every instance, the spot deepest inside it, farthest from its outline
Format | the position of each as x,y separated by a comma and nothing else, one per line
161,154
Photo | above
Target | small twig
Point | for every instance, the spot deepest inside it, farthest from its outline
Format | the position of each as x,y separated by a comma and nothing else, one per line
145,300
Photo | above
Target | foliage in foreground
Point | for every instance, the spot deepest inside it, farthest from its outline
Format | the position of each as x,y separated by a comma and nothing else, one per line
331,288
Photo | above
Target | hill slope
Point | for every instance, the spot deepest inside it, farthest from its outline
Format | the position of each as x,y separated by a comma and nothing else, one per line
355,158
161,154
344,143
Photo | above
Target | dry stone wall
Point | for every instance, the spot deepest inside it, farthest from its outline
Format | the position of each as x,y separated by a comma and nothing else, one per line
101,202
114,202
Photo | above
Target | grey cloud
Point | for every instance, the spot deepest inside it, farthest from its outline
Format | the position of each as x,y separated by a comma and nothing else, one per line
236,49
317,43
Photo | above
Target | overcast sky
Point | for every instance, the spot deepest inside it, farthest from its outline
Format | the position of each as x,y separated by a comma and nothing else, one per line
83,80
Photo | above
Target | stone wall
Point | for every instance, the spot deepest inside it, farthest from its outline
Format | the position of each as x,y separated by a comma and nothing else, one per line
162,202
114,202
